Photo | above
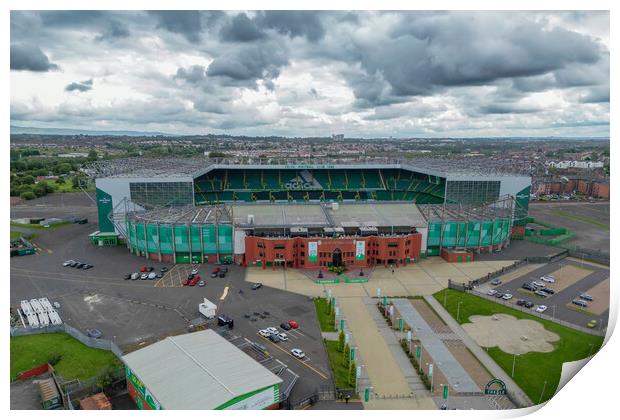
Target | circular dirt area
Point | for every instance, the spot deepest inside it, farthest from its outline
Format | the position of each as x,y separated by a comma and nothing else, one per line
511,335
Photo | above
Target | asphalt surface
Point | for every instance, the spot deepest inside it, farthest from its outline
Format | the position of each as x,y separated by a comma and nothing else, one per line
136,312
559,299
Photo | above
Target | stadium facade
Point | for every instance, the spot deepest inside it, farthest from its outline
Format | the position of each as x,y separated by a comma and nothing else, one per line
308,214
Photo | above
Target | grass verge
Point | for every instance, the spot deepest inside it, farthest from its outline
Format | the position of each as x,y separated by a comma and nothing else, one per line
339,371
325,320
583,219
532,369
77,360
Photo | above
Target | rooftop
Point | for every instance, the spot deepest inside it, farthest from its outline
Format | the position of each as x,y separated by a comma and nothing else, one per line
197,371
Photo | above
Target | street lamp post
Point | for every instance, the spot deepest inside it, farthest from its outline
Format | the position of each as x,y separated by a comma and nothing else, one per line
458,310
542,392
591,347
514,361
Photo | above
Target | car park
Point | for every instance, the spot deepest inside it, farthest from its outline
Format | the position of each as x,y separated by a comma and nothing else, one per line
257,286
541,308
580,303
298,353
540,293
586,297
492,292
547,290
285,326
507,296
152,276
264,333
496,282
283,337
93,333
592,324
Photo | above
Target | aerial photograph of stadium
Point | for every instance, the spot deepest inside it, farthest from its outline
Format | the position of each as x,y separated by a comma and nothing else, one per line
306,210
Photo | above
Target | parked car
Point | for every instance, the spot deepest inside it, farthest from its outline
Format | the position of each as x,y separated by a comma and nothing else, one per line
135,276
194,271
521,302
216,270
528,304
93,333
150,269
283,337
285,326
127,276
547,290
274,338
580,303
221,274
56,305
87,266
294,325
80,265
186,282
257,286
264,333
538,284
163,269
496,282
528,286
67,263
225,320
272,330
592,324
160,275
548,279
492,292
213,275
144,269
586,297
194,281
202,283
298,353
541,308
152,276
540,293
190,276
224,269
507,296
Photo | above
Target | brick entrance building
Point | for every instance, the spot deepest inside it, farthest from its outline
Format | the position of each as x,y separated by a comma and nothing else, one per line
318,252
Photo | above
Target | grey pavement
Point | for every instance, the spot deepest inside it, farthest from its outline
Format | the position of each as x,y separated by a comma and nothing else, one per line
520,398
444,360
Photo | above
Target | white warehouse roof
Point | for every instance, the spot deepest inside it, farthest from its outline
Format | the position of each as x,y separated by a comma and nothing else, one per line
197,371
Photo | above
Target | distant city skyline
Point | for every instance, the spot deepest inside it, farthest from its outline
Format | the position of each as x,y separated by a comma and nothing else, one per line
363,74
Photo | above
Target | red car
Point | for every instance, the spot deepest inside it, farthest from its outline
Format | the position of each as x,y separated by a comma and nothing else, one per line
216,270
194,281
144,269
294,325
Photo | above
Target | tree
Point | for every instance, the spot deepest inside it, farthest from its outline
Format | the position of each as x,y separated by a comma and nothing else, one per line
92,154
352,374
346,354
341,341
28,179
60,180
28,195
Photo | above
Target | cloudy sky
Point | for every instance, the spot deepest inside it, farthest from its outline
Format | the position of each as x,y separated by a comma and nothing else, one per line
313,73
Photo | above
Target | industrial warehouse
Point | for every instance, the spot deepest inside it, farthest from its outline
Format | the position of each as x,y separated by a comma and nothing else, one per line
307,215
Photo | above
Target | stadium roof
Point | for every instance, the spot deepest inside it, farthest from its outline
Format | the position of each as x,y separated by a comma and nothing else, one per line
177,167
197,371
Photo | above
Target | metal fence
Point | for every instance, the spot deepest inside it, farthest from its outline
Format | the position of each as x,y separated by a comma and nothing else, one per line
589,254
600,332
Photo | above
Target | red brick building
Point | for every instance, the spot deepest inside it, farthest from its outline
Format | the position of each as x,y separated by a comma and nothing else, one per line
318,252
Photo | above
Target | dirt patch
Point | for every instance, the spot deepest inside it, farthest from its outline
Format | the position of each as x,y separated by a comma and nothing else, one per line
567,276
431,318
511,335
472,366
600,293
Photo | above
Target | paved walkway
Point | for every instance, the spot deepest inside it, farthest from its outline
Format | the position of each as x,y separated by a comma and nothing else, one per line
456,376
384,372
521,399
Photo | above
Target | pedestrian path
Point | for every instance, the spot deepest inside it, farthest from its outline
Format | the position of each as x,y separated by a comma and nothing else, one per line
384,372
519,397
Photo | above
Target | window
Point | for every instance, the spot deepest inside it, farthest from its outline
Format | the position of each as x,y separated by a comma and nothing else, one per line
151,194
392,244
278,246
302,254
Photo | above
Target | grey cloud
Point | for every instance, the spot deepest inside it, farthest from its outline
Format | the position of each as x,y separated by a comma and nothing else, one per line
241,29
30,58
294,23
83,86
114,30
70,17
192,74
598,94
183,22
507,108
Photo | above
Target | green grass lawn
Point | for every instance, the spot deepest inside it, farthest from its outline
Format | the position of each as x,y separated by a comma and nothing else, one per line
78,361
580,218
531,369
38,226
68,187
326,321
339,371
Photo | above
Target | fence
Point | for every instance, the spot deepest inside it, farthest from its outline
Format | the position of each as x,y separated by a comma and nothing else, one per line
589,254
98,343
600,333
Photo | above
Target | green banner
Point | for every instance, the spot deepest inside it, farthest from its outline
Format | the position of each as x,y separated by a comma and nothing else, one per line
360,248
312,251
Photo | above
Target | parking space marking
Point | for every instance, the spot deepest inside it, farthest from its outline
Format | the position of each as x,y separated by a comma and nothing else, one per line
225,293
303,362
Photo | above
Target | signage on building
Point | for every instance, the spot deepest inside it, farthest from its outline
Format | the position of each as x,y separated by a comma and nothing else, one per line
137,384
309,166
360,247
312,251
257,401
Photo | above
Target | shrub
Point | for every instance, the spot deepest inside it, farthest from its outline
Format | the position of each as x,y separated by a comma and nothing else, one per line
28,195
